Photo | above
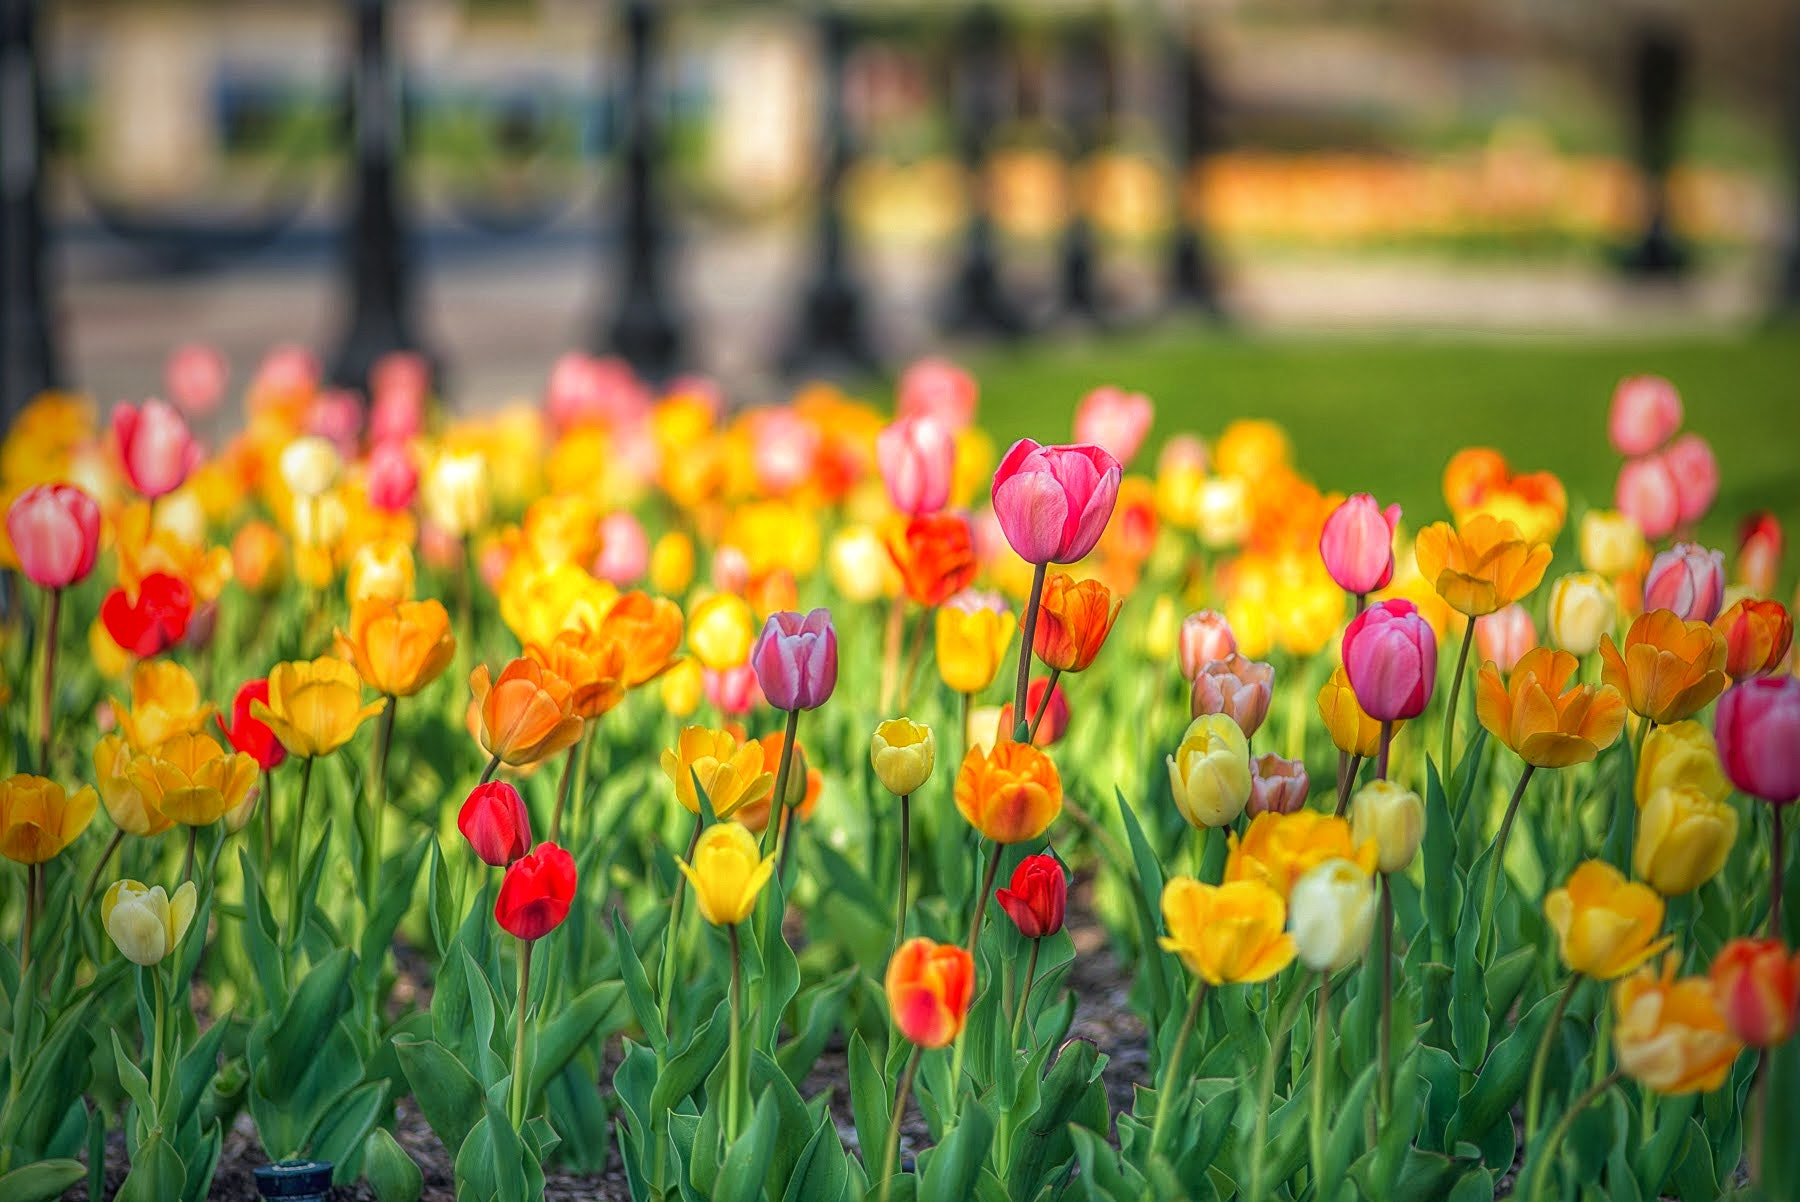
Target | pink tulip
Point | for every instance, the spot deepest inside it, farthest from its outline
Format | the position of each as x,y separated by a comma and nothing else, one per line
1696,473
1277,785
288,372
938,388
1646,412
1357,544
917,457
55,533
1114,419
1390,655
399,387
624,549
1054,502
1205,637
1758,730
157,449
336,415
734,691
1759,553
1687,579
1237,687
730,569
1646,493
588,390
1183,452
492,561
393,477
796,659
1505,635
784,448
195,377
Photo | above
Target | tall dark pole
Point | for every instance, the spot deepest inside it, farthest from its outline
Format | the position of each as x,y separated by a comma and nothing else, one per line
644,330
29,362
1087,86
1659,78
1787,300
377,251
980,85
1193,279
832,336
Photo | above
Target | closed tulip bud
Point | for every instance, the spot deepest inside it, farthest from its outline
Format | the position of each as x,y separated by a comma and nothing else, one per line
1114,420
495,822
1226,934
973,632
195,375
1036,897
1758,727
1646,412
1759,553
1670,1035
682,687
245,733
1209,773
1277,785
1357,544
796,659
1605,925
1236,687
38,817
1582,608
536,892
1393,817
1390,657
1687,580
734,691
903,753
1505,635
310,466
1683,839
1053,503
672,564
320,522
1351,729
1758,986
1074,619
380,571
1611,543
1680,755
861,569
456,494
1646,493
1011,793
155,447
1757,636
917,458
392,478
1696,471
929,987
1223,512
55,534
145,923
720,631
1331,911
1205,637
727,874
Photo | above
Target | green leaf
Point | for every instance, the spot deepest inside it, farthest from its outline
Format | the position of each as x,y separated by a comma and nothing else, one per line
133,1081
262,935
41,1182
746,1165
1076,1069
340,1134
1468,993
690,1066
398,876
597,1009
1443,889
637,986
822,1174
391,1173
1153,963
956,1162
869,1102
1501,1081
447,1093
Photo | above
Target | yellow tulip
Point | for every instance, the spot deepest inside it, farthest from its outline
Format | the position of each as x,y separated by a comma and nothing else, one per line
672,564
1681,754
1683,839
165,701
315,706
1671,1035
38,817
1582,608
720,631
727,873
1605,925
1611,543
398,647
1352,730
1210,771
682,687
732,775
1279,849
1331,911
381,571
1484,567
971,643
1393,817
145,923
455,494
539,601
903,753
1226,934
190,779
125,802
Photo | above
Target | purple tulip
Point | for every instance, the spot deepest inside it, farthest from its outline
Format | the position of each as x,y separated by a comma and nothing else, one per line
796,660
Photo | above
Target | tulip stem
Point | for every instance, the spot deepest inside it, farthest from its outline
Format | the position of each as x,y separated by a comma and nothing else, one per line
568,779
384,737
1384,1041
1026,638
187,864
914,653
493,766
1777,854
987,887
734,1071
1043,708
778,809
1551,1144
1497,866
1165,1091
1321,1039
1025,997
1347,783
1462,661
905,852
268,822
31,871
156,1049
890,649
891,1153
1387,742
518,1065
1534,1089
47,709
93,881
962,728
294,850
665,980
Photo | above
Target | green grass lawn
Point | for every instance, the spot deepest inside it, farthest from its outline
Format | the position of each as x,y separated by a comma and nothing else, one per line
1384,414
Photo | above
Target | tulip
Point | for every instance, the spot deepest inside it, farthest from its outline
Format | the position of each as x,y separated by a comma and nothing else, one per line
591,663
125,802
647,631
310,466
399,388
1393,818
682,687
1683,839
381,570
934,555
730,569
1073,622
1223,512
1679,755
1279,849
624,549
153,620
1277,785
245,733
1209,774
1583,607
165,701
720,631
398,648
1505,635
1696,473
1611,543
733,776
1757,637
1646,412
1331,912
191,780
861,568
1687,580
1390,657
495,822
733,692
527,714
1759,553
1047,708
1670,1034
1236,687
561,530
1162,632
903,753
1668,669
38,817
1205,636
335,415
1605,925
796,660
1351,729
1484,567
592,390
455,493
538,601
1115,421
973,630
784,450
1357,544
1757,982
1647,494
55,533
145,923
727,873
155,446
258,557
536,892
929,987
917,458
1226,934
1053,502
1010,794
392,479
672,564
1758,727
195,375
1545,723
314,706
1036,897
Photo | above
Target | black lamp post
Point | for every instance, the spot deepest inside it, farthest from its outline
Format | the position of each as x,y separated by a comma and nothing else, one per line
1193,279
1087,112
978,302
1659,77
29,362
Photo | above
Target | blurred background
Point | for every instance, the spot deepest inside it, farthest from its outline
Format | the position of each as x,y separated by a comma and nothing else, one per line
772,191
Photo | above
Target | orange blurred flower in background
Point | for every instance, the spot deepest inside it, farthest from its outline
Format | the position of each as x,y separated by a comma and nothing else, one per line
398,647
1670,1034
648,632
165,702
935,555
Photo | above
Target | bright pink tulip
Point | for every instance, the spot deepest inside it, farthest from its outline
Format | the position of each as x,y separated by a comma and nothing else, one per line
1357,544
624,549
1696,473
1759,553
1688,579
588,390
55,533
917,457
336,415
734,691
1505,635
1114,419
1390,655
938,388
1054,502
399,387
1646,493
393,477
796,659
195,377
1205,636
156,447
1277,785
784,448
1646,412
1237,687
1758,729
495,823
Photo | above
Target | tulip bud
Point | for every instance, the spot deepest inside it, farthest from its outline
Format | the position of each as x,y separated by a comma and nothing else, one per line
1759,553
1277,785
146,923
1209,773
536,892
903,753
727,874
393,479
861,568
380,571
55,534
494,821
1646,412
1081,482
929,987
1646,493
1205,636
733,690
1683,839
1114,420
1757,636
1696,472
1679,755
1224,512
1391,815
1036,897
1357,544
1582,608
1611,543
1505,635
682,687
796,659
1390,656
1237,687
917,458
1605,925
155,446
672,564
1688,580
1162,631
456,494
720,630
256,557
310,466
1758,727
1758,986
1331,911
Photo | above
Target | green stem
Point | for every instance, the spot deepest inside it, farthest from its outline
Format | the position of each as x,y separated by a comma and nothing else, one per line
519,1071
47,710
1165,1091
1534,1089
1777,854
1025,998
1446,766
1321,1036
778,808
384,737
1385,1037
487,773
93,881
156,1049
1266,1090
31,871
568,779
913,655
891,1153
268,821
1497,865
1043,708
905,853
734,1070
981,898
294,851
1548,1152
1347,783
1027,635
187,864
1387,742
962,729
666,979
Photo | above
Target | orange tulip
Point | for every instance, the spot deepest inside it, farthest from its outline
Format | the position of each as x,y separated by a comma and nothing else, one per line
527,714
1668,669
929,988
1757,636
1073,622
1484,567
647,631
1279,849
398,647
38,817
1010,794
592,663
165,702
935,554
1547,725
1671,1036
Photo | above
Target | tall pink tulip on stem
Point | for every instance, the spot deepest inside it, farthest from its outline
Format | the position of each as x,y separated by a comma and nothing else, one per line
938,388
1115,420
155,446
1687,579
1390,656
1696,473
1647,494
1646,412
1758,730
796,665
1357,545
392,478
917,457
55,533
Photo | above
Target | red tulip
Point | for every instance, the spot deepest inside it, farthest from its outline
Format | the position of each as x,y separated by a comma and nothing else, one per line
1357,544
536,892
399,384
1056,717
496,824
1390,656
1036,897
154,443
246,734
154,620
55,533
393,477
1758,729
1758,986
